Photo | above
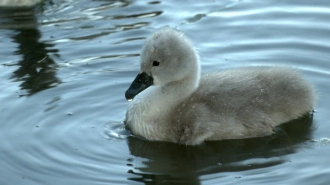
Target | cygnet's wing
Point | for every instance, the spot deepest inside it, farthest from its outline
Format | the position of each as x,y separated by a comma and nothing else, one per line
245,102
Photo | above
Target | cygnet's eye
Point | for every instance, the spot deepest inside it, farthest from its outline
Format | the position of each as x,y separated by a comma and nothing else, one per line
155,63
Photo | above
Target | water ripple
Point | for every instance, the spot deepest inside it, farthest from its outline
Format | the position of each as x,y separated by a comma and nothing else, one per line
114,131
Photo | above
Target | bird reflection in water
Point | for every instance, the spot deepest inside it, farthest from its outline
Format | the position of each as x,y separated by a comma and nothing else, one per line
169,163
36,69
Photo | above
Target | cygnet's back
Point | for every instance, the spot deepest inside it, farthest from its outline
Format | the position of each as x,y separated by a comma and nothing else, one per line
244,103
182,107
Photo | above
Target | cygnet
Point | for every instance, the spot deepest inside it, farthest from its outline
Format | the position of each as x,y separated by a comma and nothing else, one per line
172,101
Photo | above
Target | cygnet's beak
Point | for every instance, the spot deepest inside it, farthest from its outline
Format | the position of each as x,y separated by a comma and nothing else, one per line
140,83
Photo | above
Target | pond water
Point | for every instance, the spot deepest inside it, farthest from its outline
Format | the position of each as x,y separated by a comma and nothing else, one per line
66,64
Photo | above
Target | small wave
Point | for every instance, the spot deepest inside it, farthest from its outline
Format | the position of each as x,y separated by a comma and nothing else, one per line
321,142
114,131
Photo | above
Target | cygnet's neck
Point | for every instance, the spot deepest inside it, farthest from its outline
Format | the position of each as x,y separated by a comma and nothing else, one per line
159,100
150,112
170,95
177,91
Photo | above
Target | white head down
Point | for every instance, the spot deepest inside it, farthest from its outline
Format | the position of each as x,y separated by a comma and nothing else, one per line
166,57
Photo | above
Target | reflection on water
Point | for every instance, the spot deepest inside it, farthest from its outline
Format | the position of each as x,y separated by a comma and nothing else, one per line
36,70
171,163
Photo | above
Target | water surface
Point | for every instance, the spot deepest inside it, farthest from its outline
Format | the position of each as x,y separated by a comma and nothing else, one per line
66,64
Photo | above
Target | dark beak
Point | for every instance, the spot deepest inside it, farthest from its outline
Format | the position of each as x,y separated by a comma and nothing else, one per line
140,83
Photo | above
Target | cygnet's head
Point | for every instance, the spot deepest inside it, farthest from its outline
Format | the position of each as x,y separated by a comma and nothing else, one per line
166,56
